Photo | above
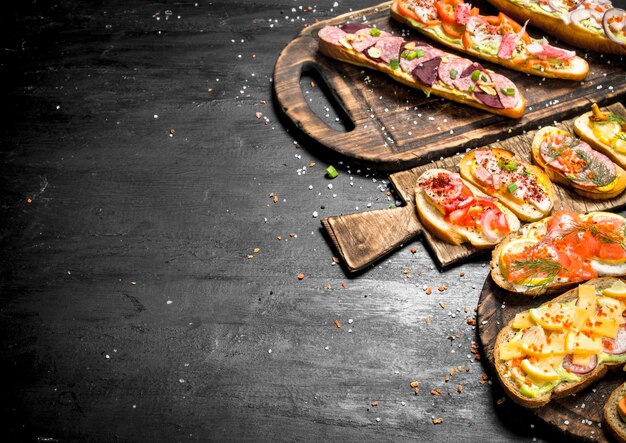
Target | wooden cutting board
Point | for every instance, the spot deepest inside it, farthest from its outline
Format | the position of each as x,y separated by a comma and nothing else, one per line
396,127
567,416
363,238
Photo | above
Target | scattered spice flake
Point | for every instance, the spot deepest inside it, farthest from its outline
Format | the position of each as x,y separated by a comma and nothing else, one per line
500,400
459,389
446,379
279,238
417,391
335,259
292,234
406,271
262,102
466,309
427,320
437,421
435,392
337,324
256,250
374,403
471,322
442,304
250,257
172,131
485,377
29,200
442,288
468,369
429,291
462,274
452,371
300,276
414,384
413,250
274,197
258,114
343,285
312,165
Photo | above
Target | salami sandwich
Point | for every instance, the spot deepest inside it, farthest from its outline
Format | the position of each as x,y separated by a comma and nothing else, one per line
421,66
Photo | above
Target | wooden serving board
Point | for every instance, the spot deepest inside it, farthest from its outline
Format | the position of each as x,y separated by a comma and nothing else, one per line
396,127
564,416
363,238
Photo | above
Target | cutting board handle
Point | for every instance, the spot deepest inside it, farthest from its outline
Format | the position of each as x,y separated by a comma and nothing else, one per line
299,56
365,237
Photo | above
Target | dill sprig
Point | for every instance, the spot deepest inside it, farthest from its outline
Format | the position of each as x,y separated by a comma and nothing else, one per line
612,237
600,173
542,268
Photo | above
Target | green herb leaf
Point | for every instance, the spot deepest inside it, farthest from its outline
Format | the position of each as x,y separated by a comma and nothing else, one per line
374,32
394,63
331,172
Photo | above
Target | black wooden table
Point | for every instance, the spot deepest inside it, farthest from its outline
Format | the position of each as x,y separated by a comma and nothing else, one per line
156,214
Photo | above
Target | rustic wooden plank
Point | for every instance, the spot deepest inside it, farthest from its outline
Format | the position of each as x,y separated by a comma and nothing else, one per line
396,127
358,253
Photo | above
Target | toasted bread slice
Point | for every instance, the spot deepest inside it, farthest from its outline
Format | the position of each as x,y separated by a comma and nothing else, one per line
434,221
577,70
613,423
350,55
536,232
557,177
584,130
524,210
572,33
564,388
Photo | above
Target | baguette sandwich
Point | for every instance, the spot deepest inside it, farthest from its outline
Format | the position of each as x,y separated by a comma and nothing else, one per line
455,212
605,132
571,162
523,188
421,66
562,250
497,39
615,414
586,24
564,345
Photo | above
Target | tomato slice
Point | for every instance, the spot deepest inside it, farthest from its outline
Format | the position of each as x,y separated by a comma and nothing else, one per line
445,11
451,30
467,40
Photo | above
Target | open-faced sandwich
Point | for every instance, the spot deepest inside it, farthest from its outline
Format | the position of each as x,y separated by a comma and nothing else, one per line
421,66
497,39
615,414
523,188
587,24
559,251
571,162
604,131
455,212
564,345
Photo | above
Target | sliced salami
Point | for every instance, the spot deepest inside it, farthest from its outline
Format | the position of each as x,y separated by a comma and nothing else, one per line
389,47
506,90
578,369
426,72
352,28
464,81
615,345
366,40
451,68
428,53
331,34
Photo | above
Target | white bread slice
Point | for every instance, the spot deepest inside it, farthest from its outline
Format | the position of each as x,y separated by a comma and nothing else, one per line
584,131
558,177
525,211
350,55
572,33
434,221
613,423
562,389
577,70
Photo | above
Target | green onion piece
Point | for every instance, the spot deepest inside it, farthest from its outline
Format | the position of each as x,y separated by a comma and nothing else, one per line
483,78
394,63
405,54
508,91
471,88
453,73
419,53
475,75
374,32
510,166
512,187
331,171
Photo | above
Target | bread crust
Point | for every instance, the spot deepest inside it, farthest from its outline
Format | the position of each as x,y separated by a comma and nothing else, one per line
612,421
571,33
558,177
524,211
353,57
584,131
577,71
435,223
562,389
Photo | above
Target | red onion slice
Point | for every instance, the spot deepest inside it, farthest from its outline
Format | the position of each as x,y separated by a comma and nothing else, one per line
615,345
608,15
488,218
578,369
580,14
